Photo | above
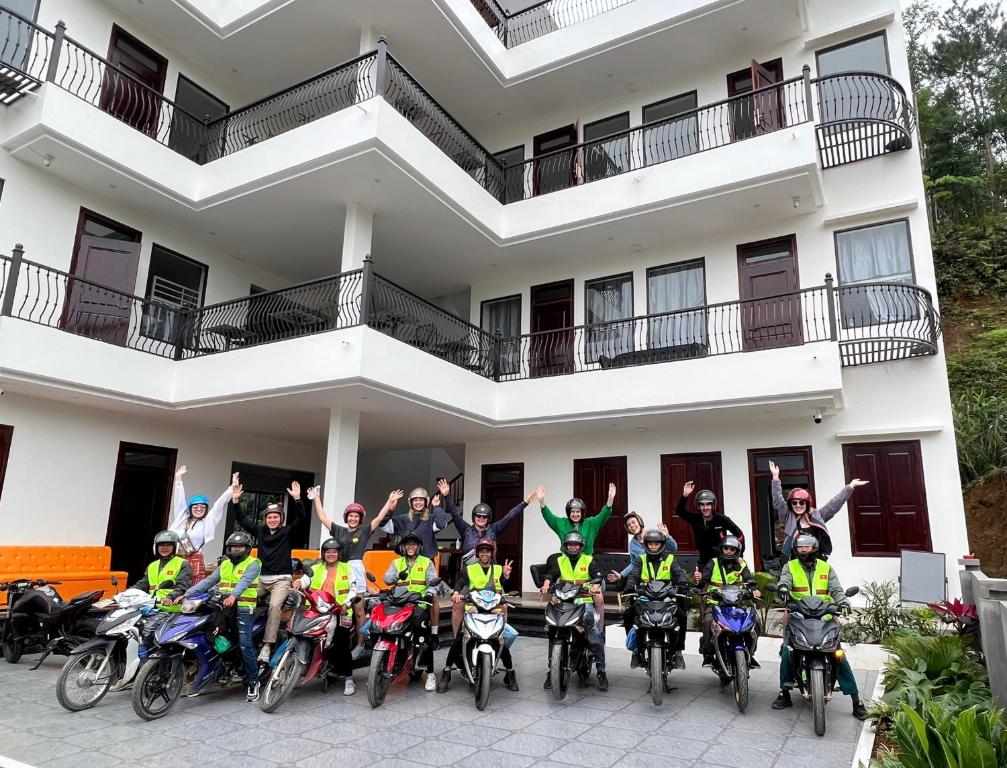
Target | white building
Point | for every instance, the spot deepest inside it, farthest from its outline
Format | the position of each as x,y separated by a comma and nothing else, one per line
598,254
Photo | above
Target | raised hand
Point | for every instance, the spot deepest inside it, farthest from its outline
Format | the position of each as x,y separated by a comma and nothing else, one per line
294,490
508,566
611,494
234,478
535,495
236,490
697,576
857,483
688,488
394,496
314,492
443,487
774,470
436,500
663,529
181,471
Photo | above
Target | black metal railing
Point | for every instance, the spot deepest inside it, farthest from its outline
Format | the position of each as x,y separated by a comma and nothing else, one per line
879,322
540,19
862,115
24,55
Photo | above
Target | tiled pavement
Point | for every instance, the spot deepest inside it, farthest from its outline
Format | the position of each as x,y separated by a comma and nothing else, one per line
696,726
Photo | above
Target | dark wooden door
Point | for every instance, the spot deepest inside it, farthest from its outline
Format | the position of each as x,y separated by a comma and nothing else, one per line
796,471
753,115
141,493
100,304
770,305
503,489
590,483
766,103
131,87
890,513
6,436
551,346
554,164
704,470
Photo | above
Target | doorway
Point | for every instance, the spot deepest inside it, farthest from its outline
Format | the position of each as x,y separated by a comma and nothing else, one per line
503,489
268,485
770,302
6,436
704,470
796,471
141,493
590,484
763,112
556,170
133,97
551,347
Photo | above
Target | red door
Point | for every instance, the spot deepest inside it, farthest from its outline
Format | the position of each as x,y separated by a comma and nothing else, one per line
762,112
131,88
770,305
768,115
551,346
503,489
590,483
677,468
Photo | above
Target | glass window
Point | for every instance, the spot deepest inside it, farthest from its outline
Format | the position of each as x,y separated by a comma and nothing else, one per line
513,161
604,157
504,315
174,284
186,135
671,129
672,291
845,97
874,263
608,307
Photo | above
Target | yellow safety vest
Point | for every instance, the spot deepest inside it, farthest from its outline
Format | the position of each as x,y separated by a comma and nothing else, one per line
721,578
663,570
340,585
416,581
801,588
230,575
156,575
581,574
479,579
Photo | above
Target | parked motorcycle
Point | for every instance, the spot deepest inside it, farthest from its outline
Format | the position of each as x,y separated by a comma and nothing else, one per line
568,623
109,660
38,619
188,658
483,639
657,626
734,637
301,658
400,634
813,640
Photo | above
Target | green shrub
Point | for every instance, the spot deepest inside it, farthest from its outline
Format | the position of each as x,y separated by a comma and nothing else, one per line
941,738
883,615
939,669
981,432
969,258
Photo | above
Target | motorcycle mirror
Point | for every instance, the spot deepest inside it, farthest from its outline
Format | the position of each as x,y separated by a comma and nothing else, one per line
850,592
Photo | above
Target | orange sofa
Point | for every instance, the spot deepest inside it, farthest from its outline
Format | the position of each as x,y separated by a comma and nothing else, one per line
81,569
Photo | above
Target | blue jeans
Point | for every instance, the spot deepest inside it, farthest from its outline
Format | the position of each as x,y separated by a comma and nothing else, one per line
243,617
595,639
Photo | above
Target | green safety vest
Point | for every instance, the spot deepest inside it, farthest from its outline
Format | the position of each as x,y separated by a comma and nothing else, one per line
416,581
230,575
479,579
721,578
156,575
340,585
663,570
801,588
579,575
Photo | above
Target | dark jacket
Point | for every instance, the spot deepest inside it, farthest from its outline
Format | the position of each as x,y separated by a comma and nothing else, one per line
274,547
468,533
708,535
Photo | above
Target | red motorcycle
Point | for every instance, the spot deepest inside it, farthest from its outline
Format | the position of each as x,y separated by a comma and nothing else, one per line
400,628
301,657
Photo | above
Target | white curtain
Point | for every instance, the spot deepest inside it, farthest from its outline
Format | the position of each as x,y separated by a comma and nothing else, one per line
678,287
504,315
609,301
875,254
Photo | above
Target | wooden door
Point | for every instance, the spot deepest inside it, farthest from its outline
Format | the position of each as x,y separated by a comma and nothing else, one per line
704,470
770,303
131,87
754,115
6,436
590,483
503,489
100,305
556,169
551,347
768,115
796,471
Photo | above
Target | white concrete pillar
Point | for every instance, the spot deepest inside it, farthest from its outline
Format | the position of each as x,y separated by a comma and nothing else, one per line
368,40
340,465
358,231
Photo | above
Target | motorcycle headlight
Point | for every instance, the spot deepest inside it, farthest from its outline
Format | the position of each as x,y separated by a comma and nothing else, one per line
484,627
486,599
191,604
568,593
397,626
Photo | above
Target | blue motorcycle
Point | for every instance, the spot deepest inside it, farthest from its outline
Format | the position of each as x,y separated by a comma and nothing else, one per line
190,655
735,636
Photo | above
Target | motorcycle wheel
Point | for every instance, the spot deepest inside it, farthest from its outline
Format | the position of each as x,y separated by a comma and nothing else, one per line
282,681
559,675
378,680
483,674
657,675
12,650
77,688
817,685
741,679
156,689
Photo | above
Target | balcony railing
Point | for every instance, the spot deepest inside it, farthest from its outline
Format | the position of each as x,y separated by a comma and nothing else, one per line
24,55
540,19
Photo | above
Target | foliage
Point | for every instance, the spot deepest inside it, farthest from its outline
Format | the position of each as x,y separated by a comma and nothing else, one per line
938,737
764,603
970,258
980,425
961,616
922,668
883,615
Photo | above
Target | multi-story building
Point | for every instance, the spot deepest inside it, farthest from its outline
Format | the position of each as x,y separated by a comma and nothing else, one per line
595,240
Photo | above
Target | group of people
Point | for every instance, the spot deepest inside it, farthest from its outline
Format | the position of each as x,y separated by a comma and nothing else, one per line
179,570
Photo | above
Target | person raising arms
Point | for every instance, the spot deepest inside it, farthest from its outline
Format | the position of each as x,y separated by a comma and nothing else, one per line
195,521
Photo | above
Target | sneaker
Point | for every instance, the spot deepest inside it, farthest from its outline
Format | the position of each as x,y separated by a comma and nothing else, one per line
753,664
678,660
510,680
349,687
859,710
602,680
444,682
783,701
358,650
253,691
431,682
264,653
635,661
708,660
547,685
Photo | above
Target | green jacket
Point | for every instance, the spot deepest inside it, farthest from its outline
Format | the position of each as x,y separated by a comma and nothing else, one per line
588,527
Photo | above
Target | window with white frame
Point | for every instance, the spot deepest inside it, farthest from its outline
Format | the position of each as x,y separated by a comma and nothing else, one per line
676,294
608,306
875,263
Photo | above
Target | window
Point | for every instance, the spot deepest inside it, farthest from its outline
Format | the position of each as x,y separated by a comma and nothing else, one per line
606,158
175,283
874,262
844,97
890,513
513,162
6,435
672,291
504,315
675,129
186,135
608,301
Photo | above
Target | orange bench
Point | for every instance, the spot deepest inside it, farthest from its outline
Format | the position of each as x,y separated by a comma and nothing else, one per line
81,569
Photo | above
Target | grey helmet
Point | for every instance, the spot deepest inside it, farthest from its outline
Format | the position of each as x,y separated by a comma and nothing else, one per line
730,541
654,535
807,540
707,496
166,537
573,538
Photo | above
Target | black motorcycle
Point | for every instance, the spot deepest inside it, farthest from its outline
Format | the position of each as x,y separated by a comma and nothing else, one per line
657,622
38,619
568,623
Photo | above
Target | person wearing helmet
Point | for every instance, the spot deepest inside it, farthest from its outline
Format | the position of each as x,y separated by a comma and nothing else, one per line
709,526
803,576
576,518
656,563
333,576
572,563
725,569
169,567
634,526
238,578
425,518
798,514
484,573
415,570
195,521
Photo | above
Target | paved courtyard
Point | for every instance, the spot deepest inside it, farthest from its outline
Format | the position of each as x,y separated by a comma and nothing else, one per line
697,726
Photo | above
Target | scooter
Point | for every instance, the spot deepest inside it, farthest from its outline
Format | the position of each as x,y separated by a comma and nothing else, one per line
568,623
657,626
38,619
109,660
813,640
188,658
483,639
734,638
301,658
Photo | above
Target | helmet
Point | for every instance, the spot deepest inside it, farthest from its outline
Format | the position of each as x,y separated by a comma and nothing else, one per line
273,509
330,543
166,537
238,539
630,515
807,540
704,497
296,565
486,544
482,509
418,493
653,534
801,494
730,541
407,537
573,538
354,507
575,504
197,500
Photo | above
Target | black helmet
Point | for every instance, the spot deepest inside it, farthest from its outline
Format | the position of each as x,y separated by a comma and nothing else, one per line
730,541
807,540
576,503
654,535
482,509
166,537
407,537
296,565
235,540
330,543
706,497
573,538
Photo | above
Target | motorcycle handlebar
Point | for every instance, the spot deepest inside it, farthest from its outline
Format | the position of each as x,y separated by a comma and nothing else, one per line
30,582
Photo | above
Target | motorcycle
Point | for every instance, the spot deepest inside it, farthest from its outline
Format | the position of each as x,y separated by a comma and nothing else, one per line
188,657
301,658
813,640
483,639
734,638
657,627
396,641
38,619
568,622
109,660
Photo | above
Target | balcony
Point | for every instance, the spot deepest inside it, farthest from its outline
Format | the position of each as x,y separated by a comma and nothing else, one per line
513,29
